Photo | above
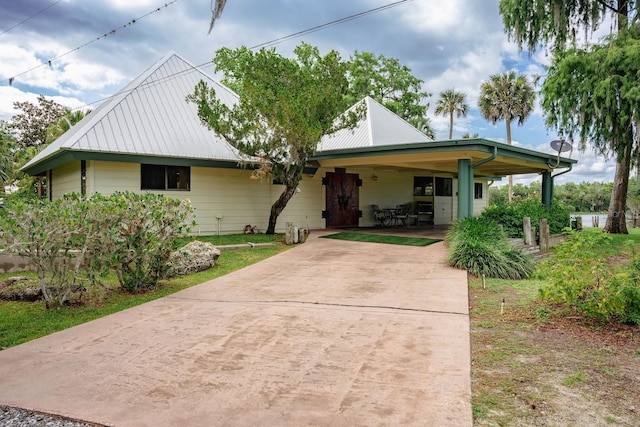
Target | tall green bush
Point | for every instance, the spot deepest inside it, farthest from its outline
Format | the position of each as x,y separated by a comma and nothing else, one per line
145,229
510,215
586,282
481,247
74,241
58,237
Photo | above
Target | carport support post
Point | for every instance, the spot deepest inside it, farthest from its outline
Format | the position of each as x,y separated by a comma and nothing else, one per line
465,188
547,188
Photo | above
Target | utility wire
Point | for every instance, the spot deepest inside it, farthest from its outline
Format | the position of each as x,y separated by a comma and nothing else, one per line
133,21
328,24
265,44
31,17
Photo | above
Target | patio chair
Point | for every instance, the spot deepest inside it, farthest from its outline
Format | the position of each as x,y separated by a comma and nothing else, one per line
380,215
402,214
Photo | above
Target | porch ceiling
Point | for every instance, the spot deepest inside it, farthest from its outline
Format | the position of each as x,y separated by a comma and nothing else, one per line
443,156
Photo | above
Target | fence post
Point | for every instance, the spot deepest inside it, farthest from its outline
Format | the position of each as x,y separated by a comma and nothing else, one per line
288,235
544,235
526,227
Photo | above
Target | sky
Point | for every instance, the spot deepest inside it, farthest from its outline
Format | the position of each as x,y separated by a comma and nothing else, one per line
58,48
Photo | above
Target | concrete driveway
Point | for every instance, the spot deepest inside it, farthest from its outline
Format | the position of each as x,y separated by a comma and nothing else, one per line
330,333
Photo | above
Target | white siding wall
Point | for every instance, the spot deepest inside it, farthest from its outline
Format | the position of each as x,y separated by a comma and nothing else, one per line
108,177
66,179
305,207
225,200
387,191
481,204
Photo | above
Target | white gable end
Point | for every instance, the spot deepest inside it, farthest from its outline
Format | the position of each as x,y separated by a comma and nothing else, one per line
379,127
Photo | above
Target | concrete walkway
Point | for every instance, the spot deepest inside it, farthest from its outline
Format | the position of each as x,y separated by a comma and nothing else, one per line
330,333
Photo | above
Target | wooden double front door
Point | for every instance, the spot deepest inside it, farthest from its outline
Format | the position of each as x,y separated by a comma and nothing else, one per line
342,201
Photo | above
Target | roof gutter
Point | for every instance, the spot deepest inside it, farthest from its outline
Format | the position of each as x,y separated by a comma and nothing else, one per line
488,159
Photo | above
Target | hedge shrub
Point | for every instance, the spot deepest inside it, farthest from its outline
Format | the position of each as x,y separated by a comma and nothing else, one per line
509,216
585,282
74,241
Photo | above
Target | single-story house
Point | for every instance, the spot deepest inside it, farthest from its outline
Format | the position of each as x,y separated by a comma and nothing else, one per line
148,138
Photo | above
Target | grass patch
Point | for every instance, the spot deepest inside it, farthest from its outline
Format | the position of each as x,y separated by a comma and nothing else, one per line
24,321
377,238
233,239
572,380
520,357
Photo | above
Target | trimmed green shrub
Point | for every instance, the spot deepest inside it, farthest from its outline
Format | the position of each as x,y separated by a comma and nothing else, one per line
74,241
144,229
509,216
584,281
57,236
481,247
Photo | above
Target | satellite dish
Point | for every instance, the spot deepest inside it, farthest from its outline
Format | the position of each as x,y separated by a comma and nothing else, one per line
560,145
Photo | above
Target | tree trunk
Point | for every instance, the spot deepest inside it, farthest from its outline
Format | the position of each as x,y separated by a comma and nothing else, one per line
616,218
278,207
451,125
508,122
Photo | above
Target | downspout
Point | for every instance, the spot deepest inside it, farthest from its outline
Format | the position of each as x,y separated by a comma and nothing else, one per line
479,163
558,174
487,160
563,172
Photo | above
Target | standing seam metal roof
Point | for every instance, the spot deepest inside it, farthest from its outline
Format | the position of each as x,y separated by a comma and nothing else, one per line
150,116
380,126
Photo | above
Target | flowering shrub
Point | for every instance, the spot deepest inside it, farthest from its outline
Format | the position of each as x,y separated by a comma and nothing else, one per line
74,241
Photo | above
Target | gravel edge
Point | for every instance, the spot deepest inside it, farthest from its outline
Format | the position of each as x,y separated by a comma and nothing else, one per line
18,417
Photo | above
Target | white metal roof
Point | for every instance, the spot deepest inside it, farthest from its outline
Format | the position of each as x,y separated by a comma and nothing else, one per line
150,117
379,127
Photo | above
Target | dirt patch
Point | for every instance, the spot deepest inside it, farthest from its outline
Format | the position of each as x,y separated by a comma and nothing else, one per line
531,368
20,288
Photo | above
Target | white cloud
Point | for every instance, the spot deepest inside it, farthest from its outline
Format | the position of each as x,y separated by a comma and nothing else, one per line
9,95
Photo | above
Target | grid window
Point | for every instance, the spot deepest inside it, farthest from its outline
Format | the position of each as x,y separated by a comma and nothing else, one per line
444,187
477,190
160,177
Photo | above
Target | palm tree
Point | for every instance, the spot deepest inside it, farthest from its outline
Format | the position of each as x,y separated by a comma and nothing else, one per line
423,124
507,96
70,118
451,102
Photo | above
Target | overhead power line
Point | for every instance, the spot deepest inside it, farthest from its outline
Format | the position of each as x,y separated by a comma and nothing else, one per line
328,24
261,45
31,17
128,24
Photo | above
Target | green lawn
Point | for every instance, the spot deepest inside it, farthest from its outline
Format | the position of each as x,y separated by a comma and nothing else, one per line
24,321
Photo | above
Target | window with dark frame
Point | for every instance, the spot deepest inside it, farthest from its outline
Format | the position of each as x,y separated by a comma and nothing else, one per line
444,187
162,177
83,178
423,186
477,190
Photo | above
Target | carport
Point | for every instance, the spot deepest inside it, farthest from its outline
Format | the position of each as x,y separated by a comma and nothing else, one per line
465,159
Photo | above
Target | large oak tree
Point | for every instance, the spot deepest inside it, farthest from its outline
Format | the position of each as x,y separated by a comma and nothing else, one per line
285,106
584,95
390,83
